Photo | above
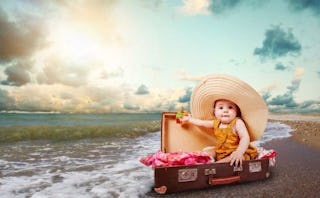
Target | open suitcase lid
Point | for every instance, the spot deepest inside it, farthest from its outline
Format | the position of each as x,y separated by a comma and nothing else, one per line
175,137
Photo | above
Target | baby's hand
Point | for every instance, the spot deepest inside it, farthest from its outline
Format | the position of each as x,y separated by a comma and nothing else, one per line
180,115
185,118
236,158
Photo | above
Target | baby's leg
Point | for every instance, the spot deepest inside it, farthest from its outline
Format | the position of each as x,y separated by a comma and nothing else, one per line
210,151
223,160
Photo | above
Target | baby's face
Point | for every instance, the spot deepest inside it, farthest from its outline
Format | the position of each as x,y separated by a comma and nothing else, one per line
225,111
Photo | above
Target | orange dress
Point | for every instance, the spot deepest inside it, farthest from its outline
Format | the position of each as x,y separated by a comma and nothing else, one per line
228,141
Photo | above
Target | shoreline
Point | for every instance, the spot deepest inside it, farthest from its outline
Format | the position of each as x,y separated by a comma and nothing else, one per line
296,173
306,128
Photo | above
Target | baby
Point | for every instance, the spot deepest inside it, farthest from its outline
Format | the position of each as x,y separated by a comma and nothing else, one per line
230,131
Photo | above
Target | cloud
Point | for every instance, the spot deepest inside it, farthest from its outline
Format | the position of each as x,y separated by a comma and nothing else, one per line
298,73
286,103
186,97
266,95
300,5
50,69
195,7
218,7
86,99
63,72
152,4
310,106
183,75
95,17
285,100
62,98
278,43
19,38
131,107
266,91
51,39
142,90
6,102
280,66
17,74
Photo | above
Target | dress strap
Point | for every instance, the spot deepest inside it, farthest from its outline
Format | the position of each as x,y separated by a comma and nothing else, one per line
216,123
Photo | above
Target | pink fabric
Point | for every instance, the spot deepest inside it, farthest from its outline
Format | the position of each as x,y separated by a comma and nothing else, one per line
161,159
267,154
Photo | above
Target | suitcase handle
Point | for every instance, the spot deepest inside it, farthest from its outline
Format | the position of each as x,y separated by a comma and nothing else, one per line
225,180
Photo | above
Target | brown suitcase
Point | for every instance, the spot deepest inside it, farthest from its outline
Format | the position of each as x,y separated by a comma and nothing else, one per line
175,137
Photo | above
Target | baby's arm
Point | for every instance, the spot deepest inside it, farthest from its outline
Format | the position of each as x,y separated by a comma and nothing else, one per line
237,156
197,122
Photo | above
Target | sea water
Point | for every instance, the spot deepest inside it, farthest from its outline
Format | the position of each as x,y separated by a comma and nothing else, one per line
83,155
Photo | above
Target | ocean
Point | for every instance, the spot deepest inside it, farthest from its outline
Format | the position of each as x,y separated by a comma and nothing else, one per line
83,155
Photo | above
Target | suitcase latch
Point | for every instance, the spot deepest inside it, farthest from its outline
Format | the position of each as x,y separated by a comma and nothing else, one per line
255,167
209,171
237,169
186,175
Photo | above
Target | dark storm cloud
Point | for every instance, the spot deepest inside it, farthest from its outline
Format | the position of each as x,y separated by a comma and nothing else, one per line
19,39
17,74
278,43
300,5
186,97
142,90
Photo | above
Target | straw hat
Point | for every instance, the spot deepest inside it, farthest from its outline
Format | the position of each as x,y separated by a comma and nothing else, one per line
253,109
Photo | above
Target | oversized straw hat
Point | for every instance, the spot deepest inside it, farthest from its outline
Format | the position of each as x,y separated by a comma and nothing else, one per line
253,109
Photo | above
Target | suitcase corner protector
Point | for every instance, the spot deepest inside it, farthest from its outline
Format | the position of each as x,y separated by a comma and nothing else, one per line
161,190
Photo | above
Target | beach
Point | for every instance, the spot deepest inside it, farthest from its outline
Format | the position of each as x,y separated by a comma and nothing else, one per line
55,155
306,128
296,173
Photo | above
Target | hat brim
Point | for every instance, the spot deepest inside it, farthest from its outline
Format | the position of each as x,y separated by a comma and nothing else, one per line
253,109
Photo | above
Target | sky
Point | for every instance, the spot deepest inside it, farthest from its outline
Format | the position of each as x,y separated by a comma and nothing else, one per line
109,56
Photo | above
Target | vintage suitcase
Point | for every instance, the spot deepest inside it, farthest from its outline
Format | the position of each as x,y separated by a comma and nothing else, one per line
175,137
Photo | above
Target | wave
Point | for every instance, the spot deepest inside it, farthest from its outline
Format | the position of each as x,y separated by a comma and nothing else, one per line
9,134
28,112
65,127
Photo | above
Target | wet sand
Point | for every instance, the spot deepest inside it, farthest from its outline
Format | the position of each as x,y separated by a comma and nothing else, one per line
306,128
296,173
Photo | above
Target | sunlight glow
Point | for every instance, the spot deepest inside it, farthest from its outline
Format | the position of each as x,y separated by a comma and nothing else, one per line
77,45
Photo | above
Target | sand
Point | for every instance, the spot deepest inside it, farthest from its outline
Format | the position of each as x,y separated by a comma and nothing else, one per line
306,128
296,174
